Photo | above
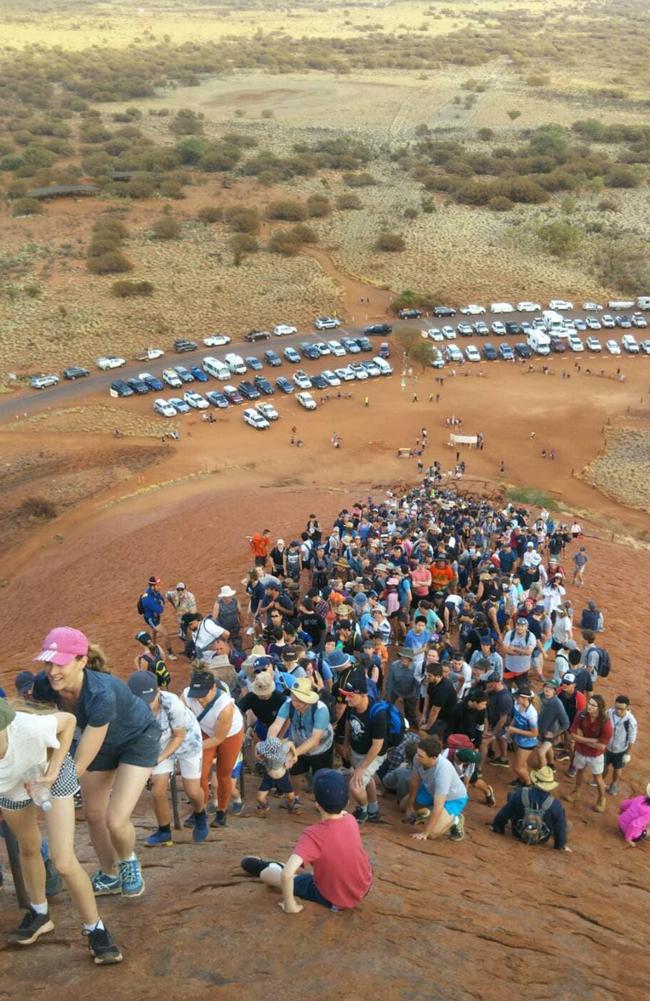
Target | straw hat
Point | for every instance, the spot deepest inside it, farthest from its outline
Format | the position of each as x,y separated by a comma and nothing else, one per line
544,779
263,685
303,690
227,591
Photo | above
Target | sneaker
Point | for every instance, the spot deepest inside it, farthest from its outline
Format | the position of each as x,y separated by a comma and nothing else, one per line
236,807
220,819
253,865
457,832
571,773
613,789
53,882
31,927
375,818
102,947
201,831
131,875
294,808
160,839
171,656
500,763
262,809
285,806
105,884
361,815
490,797
190,821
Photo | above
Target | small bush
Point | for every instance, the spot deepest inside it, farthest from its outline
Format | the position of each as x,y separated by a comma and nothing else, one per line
538,80
37,507
166,228
346,202
608,205
500,204
244,243
360,180
285,242
513,114
288,210
210,213
267,113
243,220
26,206
410,213
111,262
318,206
304,233
390,242
124,289
485,134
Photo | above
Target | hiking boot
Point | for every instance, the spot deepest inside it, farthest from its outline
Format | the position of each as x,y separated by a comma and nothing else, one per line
220,819
160,838
360,815
31,927
102,947
131,875
490,797
285,806
457,831
262,809
253,865
612,789
294,808
570,773
53,882
105,884
601,805
200,832
236,807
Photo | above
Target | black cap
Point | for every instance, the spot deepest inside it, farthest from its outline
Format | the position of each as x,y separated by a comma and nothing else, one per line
201,683
357,683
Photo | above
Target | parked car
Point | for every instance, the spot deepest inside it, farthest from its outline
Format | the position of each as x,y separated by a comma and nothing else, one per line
248,390
149,354
318,382
110,361
623,321
267,411
613,347
350,345
255,420
301,379
326,323
345,374
437,361
284,385
43,381
330,378
579,324
560,304
410,313
505,351
453,354
121,388
336,348
384,350
180,406
591,306
644,346
232,395
364,344
378,328
254,336
359,371
216,340
291,355
138,386
182,345
443,311
323,348
512,328
183,373
435,334
75,372
575,343
172,378
272,359
253,363
629,343
481,328
501,307
522,350
558,345
464,329
489,351
164,408
152,381
306,400
235,363
217,368
199,374
638,321
195,400
473,310
263,385
309,350
498,328
593,323
371,367
472,354
608,321
217,399
593,344
284,330
449,333
528,307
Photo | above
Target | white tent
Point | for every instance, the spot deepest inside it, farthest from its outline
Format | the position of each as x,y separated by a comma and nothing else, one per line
463,439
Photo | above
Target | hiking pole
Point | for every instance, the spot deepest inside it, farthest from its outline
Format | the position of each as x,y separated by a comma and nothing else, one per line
14,864
174,791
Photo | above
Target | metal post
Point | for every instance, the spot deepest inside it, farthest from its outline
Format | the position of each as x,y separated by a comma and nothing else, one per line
14,864
174,792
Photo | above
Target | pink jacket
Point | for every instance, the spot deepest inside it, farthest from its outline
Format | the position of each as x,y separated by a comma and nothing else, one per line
634,817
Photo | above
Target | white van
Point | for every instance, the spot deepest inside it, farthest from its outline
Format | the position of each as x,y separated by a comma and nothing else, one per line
235,363
643,302
502,307
621,304
539,342
553,321
384,367
217,368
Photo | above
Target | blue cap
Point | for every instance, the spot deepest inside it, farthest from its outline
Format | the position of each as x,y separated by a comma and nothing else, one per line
261,663
338,660
330,790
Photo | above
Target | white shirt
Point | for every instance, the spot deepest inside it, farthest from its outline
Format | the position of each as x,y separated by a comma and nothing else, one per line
553,597
209,722
175,715
29,739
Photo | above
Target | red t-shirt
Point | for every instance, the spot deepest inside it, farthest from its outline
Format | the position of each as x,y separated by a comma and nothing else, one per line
341,867
595,730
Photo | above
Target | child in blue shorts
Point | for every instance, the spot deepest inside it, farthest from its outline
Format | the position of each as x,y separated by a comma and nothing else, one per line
272,753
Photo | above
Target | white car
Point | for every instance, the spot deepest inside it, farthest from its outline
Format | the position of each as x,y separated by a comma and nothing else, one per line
110,361
306,400
613,347
336,348
267,411
473,310
528,307
591,305
322,348
150,354
498,328
575,343
172,378
330,378
449,333
284,330
608,321
216,340
326,323
44,381
560,304
358,370
593,323
345,374
645,346
502,307
195,400
593,344
437,361
301,379
639,321
472,353
454,354
630,344
255,420
164,408
434,333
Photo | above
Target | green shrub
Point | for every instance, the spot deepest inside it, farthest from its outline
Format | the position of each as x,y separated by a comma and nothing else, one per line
125,289
287,209
499,203
26,206
318,206
166,228
243,243
347,202
390,243
243,220
360,180
111,262
210,213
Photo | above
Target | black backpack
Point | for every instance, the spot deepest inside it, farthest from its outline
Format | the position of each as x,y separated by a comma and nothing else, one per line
532,828
140,605
604,665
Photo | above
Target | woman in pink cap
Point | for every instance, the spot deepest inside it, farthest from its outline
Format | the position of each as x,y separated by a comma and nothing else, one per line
116,752
35,767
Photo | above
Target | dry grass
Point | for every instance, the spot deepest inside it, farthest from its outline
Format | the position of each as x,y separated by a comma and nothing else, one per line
96,418
622,471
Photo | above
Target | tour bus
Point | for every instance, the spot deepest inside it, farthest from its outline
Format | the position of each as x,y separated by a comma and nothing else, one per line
217,368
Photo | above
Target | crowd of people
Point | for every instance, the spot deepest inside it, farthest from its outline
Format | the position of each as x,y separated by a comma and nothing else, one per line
386,667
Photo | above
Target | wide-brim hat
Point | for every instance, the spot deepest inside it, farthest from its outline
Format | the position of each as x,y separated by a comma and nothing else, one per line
227,591
303,690
263,684
544,778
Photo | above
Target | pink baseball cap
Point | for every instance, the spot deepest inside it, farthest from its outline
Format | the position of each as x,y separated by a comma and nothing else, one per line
62,644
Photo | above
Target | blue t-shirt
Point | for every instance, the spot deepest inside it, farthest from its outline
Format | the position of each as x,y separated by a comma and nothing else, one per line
103,699
315,717
524,720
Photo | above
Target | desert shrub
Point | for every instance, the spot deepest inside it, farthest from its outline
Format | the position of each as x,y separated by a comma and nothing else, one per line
410,213
267,113
287,209
360,180
285,242
623,263
485,134
538,80
472,193
499,203
219,158
513,114
347,202
12,162
190,150
520,189
243,220
113,262
108,224
186,123
318,206
166,228
560,238
418,300
622,176
390,242
37,507
304,233
125,289
608,205
243,243
210,213
26,206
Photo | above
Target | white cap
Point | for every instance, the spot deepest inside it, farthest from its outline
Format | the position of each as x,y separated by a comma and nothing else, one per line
180,586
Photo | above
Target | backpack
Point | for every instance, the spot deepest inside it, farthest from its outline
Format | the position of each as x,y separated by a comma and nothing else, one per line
531,828
328,700
200,650
140,606
158,667
396,724
604,665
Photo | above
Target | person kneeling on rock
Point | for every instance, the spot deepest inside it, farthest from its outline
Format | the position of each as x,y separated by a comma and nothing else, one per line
342,875
534,814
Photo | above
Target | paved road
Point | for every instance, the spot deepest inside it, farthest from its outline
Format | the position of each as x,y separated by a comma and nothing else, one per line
67,393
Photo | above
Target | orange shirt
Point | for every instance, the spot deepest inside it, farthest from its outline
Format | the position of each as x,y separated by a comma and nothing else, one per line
441,577
260,544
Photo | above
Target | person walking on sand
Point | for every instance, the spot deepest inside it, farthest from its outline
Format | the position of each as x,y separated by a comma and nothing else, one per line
591,731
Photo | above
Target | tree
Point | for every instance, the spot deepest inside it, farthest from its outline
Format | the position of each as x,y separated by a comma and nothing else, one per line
243,220
560,238
417,350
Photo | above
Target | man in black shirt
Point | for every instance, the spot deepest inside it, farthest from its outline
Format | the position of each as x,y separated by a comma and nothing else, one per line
439,703
263,701
312,623
498,715
366,730
468,716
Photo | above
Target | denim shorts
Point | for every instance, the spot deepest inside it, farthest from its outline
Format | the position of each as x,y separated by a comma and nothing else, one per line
305,888
142,751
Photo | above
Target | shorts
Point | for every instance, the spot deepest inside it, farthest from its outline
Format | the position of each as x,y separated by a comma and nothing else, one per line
260,561
261,729
372,768
190,766
313,762
454,807
153,621
282,785
305,888
615,759
594,765
141,751
67,784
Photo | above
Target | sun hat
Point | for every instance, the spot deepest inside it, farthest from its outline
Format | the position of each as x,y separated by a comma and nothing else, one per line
180,586
337,660
201,683
263,685
24,682
227,591
144,684
62,644
406,653
330,790
303,690
7,714
544,778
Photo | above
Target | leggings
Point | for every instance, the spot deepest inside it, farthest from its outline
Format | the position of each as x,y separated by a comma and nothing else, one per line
226,755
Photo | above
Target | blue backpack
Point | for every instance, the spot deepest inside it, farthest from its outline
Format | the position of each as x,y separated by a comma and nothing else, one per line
396,724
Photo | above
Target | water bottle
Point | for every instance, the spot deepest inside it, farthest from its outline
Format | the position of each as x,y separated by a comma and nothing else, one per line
40,794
